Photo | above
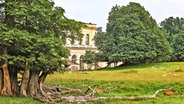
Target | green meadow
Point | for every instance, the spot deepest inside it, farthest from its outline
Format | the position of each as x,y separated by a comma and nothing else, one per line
137,80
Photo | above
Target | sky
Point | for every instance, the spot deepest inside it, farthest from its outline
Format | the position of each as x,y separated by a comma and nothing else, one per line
96,11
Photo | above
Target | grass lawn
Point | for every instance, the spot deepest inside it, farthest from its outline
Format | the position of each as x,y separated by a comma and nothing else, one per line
138,80
123,81
20,100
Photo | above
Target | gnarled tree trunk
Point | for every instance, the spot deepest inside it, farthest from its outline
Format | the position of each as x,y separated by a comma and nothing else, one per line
42,77
6,88
41,81
24,83
33,83
13,79
1,78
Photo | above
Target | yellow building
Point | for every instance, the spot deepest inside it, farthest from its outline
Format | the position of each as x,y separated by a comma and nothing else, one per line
78,48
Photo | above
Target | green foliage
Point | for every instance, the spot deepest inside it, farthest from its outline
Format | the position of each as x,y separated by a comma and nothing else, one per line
132,37
35,32
91,57
173,25
178,47
175,28
104,43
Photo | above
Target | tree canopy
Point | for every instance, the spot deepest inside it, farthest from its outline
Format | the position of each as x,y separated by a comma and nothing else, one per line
175,28
132,36
178,47
173,25
32,35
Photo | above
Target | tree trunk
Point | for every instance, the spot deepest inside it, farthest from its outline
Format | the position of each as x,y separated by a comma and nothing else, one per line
13,79
41,81
108,64
1,78
33,83
24,83
6,89
42,77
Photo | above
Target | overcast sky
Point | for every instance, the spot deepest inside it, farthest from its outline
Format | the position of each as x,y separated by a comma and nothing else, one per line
96,11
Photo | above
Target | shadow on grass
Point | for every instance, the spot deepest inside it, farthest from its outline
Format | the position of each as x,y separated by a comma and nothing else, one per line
130,67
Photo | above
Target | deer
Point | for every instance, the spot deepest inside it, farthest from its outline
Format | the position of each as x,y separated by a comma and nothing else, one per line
168,93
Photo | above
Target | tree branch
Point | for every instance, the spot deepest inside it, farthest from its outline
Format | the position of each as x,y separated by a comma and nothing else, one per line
59,95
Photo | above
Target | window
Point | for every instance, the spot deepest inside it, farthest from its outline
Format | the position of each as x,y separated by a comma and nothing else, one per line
87,39
74,58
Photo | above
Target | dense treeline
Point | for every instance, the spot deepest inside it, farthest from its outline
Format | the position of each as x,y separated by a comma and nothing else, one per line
32,38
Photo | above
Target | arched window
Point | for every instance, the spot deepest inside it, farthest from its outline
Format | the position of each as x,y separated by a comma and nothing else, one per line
74,58
87,39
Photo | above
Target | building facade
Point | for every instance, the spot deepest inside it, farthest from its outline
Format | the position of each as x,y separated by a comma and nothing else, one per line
79,48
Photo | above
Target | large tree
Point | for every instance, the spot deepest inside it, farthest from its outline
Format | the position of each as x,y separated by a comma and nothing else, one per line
32,35
132,36
175,27
178,47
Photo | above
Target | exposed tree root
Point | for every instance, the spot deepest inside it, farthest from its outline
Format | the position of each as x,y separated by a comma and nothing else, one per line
55,94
